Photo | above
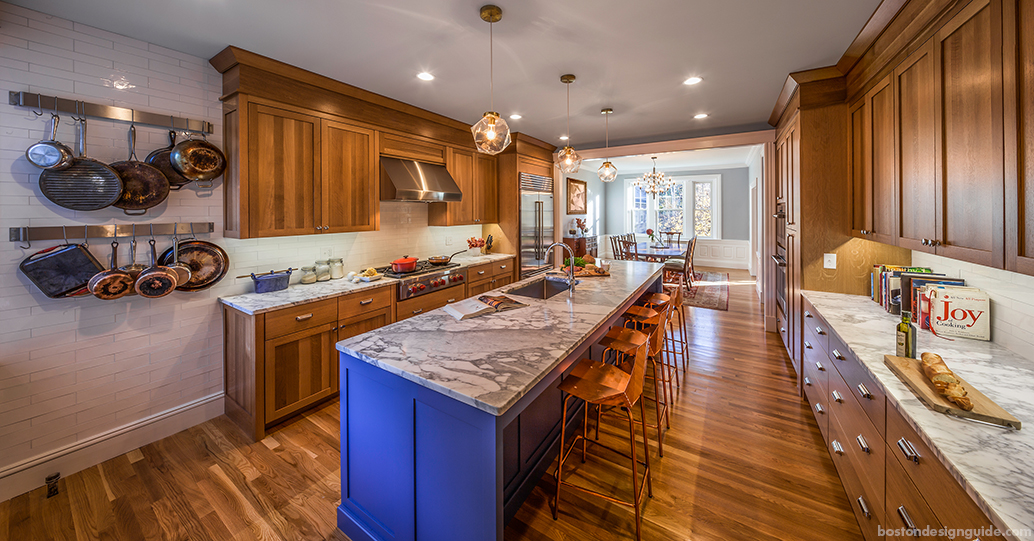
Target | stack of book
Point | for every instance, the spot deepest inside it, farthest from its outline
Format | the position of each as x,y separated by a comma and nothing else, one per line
937,302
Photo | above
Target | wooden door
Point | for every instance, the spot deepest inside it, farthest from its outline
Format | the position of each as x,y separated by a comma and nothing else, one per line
880,103
348,181
366,322
283,165
461,167
301,369
971,160
916,115
793,300
1020,99
781,179
861,178
486,189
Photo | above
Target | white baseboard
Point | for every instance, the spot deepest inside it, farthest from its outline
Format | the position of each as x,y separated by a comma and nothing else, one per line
29,474
729,254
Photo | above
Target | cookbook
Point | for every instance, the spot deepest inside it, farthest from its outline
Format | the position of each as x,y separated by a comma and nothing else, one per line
485,304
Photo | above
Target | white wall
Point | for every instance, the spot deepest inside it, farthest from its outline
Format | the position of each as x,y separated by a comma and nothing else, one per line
755,178
82,380
1012,298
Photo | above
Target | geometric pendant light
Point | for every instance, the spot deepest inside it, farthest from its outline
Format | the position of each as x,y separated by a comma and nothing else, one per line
491,134
607,172
566,159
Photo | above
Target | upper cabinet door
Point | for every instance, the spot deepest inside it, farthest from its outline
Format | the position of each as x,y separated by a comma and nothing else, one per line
348,184
283,164
460,164
1020,190
916,94
793,205
880,104
861,175
971,156
486,178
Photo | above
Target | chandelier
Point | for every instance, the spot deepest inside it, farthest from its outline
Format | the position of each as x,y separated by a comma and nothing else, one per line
653,183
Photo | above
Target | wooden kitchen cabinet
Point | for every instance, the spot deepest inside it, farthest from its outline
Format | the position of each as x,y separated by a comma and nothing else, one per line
905,507
477,177
301,370
489,276
872,164
916,118
1019,100
348,183
861,187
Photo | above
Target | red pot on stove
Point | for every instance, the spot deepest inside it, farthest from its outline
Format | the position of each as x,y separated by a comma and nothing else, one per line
404,264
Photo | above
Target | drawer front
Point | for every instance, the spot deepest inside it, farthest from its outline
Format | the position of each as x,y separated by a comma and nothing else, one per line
362,302
363,323
400,147
870,395
500,268
863,444
816,366
480,272
426,303
812,321
868,505
945,496
819,408
300,318
905,506
783,327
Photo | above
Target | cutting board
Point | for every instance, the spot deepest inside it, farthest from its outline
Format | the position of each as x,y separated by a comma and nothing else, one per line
984,409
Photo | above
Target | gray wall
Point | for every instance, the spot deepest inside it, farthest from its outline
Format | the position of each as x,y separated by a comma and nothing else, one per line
735,201
597,202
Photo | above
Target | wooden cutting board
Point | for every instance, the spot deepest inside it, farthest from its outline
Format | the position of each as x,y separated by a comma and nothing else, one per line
984,409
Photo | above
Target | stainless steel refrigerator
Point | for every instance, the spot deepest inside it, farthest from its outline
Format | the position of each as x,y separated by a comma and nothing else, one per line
536,223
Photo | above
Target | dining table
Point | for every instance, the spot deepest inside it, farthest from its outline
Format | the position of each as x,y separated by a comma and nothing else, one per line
660,251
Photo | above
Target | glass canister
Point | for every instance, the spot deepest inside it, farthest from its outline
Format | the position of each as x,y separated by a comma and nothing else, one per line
337,268
322,270
308,275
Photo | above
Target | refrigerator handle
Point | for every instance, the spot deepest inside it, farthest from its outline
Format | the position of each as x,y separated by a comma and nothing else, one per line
538,229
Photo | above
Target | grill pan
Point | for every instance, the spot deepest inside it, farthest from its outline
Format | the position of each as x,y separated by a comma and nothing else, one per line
61,271
86,185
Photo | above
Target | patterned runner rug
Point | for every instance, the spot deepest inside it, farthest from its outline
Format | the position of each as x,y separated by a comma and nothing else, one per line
709,290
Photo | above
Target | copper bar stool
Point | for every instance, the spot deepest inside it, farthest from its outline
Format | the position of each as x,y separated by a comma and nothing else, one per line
600,384
655,300
654,323
680,340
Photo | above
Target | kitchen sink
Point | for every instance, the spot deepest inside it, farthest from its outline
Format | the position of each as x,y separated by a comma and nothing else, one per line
541,289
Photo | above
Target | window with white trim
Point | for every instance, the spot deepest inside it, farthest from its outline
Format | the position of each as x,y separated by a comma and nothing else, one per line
692,204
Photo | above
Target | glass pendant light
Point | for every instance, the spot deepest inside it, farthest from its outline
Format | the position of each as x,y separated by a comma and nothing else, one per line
607,172
491,134
566,159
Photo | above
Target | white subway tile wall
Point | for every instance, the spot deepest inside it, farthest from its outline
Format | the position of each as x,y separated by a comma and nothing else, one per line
72,369
1012,298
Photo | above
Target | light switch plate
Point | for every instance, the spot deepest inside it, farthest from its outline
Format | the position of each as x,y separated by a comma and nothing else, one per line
829,261
448,240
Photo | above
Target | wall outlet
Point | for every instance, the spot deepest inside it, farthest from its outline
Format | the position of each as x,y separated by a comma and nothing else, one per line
829,261
448,240
326,253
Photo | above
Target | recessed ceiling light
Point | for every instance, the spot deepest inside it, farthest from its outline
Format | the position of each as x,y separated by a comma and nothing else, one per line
692,81
563,138
699,116
424,76
515,116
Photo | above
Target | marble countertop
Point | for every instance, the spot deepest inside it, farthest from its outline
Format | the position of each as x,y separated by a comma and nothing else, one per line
995,465
295,294
491,361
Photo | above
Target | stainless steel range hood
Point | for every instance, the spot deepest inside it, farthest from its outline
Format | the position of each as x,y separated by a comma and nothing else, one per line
409,180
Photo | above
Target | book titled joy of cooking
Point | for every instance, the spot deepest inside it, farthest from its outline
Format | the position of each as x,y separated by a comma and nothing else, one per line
963,312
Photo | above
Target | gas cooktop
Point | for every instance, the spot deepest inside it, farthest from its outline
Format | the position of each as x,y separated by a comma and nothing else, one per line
422,267
427,278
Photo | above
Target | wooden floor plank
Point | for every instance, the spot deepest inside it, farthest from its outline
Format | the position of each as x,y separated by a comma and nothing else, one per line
743,460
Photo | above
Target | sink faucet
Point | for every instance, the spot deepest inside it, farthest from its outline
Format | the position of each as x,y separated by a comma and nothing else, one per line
570,268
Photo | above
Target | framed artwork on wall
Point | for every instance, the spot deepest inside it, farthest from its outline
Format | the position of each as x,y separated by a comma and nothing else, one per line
577,196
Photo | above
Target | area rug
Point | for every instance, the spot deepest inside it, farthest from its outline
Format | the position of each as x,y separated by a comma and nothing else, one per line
709,290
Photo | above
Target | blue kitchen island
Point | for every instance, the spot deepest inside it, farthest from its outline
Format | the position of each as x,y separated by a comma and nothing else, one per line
447,426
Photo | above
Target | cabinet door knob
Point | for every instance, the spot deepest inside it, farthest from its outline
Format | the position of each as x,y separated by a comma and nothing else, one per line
837,397
819,408
303,318
807,314
837,448
807,344
909,450
903,513
838,356
864,391
864,508
820,367
820,331
807,381
863,444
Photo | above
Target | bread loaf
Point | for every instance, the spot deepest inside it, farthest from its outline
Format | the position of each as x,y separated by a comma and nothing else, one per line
944,380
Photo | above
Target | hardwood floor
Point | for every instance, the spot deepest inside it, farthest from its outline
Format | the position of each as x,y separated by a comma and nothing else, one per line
743,460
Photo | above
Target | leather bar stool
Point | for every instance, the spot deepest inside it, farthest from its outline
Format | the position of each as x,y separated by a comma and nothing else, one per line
600,384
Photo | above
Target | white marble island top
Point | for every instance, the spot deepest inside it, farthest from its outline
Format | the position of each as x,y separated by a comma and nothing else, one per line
295,294
995,465
491,361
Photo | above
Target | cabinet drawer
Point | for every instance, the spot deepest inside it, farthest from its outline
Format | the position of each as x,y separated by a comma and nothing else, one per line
816,366
400,147
480,272
783,327
867,504
500,268
813,322
864,445
425,303
299,318
820,408
904,502
945,496
363,323
871,396
361,302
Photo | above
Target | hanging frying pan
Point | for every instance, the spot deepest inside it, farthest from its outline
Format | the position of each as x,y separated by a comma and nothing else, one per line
86,185
143,186
50,153
160,159
207,261
134,269
198,160
112,283
157,280
183,271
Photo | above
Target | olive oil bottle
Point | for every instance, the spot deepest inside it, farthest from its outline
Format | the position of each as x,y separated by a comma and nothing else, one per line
906,337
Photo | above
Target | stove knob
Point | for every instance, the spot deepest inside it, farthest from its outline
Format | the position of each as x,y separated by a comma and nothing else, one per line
422,287
459,277
412,289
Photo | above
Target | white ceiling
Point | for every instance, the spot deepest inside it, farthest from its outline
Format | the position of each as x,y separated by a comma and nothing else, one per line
632,56
687,160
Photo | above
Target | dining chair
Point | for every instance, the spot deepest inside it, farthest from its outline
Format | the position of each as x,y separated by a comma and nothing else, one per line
629,250
676,235
680,269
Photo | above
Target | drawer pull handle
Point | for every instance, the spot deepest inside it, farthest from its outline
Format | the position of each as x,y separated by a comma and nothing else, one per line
864,391
836,396
864,508
807,314
909,450
364,303
303,318
502,266
837,448
838,356
818,408
782,329
480,273
903,513
807,381
820,331
863,444
451,300
807,345
820,367
418,310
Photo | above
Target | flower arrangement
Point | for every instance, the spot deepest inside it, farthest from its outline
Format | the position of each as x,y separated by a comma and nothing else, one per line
475,242
649,232
581,225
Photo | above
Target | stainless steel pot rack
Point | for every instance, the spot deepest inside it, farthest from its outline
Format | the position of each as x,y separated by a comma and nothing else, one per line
76,233
111,112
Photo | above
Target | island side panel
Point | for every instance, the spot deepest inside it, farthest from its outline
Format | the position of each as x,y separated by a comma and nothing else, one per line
415,464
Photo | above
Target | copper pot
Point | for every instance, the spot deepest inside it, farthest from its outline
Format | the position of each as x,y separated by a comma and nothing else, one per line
443,260
404,264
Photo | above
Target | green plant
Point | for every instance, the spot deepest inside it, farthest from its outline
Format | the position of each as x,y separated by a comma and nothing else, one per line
578,262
